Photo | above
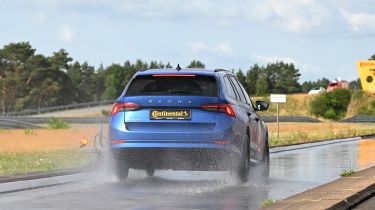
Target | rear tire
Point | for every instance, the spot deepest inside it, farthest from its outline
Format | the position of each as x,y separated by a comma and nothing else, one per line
244,163
150,172
265,165
262,170
122,172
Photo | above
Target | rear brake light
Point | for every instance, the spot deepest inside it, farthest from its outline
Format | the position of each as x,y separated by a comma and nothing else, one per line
226,108
173,75
119,107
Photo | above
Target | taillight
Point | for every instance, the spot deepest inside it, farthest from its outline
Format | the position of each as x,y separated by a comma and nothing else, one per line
118,141
119,107
222,142
226,108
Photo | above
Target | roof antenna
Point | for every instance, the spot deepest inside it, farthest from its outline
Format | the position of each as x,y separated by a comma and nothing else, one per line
178,67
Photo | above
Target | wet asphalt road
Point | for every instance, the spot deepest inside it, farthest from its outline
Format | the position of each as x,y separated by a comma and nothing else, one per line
291,172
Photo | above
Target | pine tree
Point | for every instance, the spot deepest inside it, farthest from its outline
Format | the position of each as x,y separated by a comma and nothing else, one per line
196,64
241,78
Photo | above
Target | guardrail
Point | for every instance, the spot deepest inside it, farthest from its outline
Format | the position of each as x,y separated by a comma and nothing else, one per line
289,119
56,108
72,120
359,119
6,123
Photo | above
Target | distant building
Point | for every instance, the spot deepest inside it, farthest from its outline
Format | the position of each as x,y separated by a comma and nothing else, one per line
336,84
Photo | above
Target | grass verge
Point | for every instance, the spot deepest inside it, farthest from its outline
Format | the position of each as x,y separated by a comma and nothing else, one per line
295,133
267,202
12,163
347,172
45,150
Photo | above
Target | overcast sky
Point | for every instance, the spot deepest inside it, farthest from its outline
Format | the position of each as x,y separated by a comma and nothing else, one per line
322,38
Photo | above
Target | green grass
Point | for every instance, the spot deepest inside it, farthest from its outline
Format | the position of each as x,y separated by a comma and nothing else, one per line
296,137
57,123
267,202
26,162
30,132
296,105
347,172
362,103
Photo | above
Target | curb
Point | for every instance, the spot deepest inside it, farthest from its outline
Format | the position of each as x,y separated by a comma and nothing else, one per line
15,183
343,193
290,147
368,136
40,175
355,199
28,184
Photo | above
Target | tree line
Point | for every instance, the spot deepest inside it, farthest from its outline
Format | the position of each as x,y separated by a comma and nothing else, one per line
30,80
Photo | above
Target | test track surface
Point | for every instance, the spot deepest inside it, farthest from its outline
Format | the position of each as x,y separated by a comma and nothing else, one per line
293,169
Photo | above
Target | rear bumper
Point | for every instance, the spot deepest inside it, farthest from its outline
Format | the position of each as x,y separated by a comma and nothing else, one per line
192,159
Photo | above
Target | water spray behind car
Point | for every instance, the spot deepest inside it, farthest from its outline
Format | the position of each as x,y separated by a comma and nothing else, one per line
101,157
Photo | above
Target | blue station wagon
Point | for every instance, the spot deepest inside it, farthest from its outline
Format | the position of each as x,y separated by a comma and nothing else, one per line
187,119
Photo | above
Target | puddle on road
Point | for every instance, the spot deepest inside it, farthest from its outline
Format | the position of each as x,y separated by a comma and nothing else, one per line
323,163
366,153
284,166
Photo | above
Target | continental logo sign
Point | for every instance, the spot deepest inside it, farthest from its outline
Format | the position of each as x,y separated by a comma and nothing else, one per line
366,70
367,63
170,114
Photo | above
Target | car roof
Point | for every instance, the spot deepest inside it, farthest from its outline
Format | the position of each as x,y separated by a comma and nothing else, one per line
183,71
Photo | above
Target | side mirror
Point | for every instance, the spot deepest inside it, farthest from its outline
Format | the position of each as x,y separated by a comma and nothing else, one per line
261,105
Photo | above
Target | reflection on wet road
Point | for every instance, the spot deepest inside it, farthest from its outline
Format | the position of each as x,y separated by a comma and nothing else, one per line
291,172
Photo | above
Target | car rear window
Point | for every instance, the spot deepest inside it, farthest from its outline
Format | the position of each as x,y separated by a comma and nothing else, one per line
197,85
